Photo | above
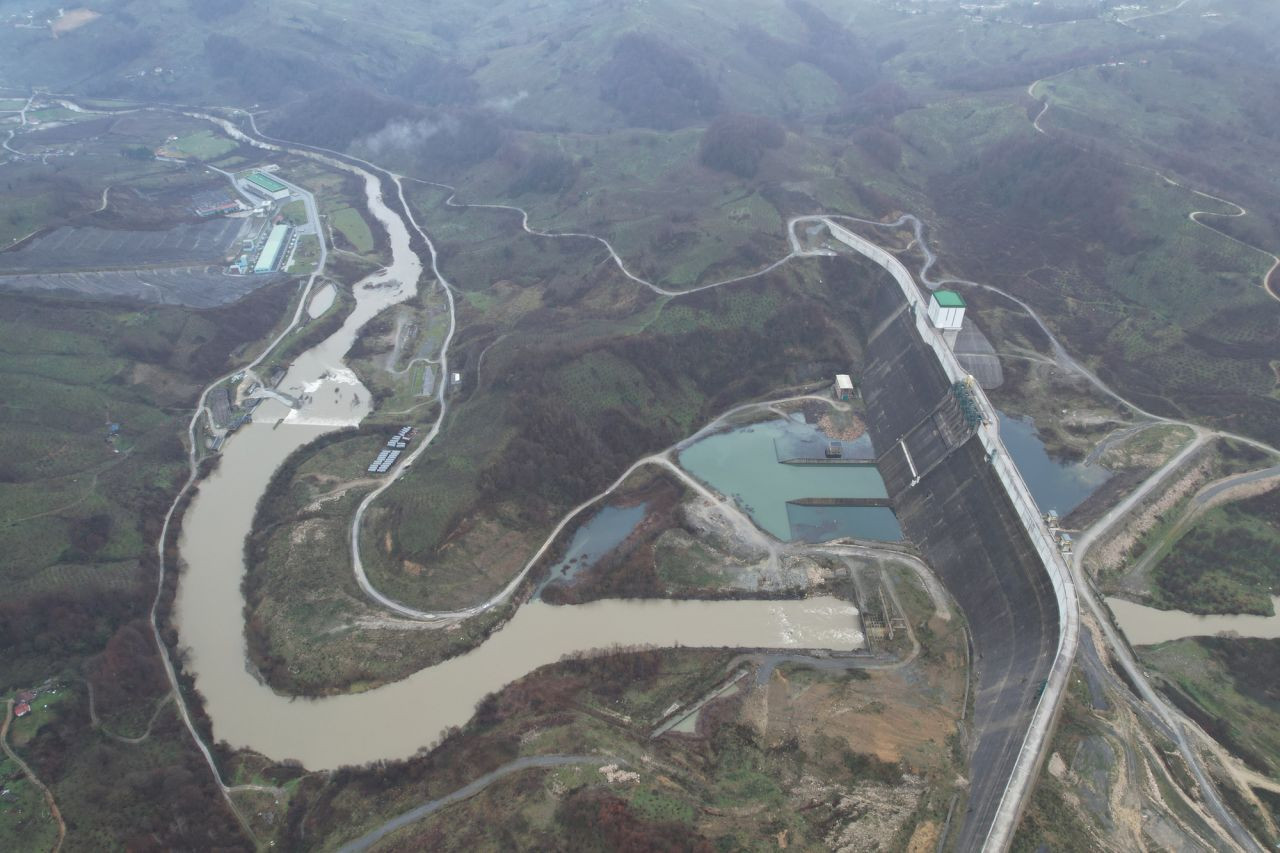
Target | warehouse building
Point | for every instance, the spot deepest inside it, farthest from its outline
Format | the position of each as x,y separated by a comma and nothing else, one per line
266,186
269,257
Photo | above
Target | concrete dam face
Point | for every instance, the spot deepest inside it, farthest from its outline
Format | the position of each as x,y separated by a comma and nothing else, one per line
954,508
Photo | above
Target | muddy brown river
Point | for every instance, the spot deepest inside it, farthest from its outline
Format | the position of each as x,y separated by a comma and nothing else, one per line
397,720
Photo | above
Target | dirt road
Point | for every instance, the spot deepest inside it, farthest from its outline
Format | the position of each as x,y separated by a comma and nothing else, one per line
35,780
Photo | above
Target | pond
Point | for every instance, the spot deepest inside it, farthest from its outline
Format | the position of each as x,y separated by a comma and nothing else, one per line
1059,486
601,534
743,463
322,301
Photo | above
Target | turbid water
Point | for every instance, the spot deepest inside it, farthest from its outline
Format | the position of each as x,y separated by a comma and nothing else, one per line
1145,626
744,463
397,720
1055,485
322,301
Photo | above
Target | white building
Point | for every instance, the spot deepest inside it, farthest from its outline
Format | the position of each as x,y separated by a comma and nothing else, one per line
844,387
946,312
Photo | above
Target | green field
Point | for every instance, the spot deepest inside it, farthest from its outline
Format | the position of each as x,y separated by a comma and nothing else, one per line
1226,562
305,256
1224,684
295,212
351,224
24,814
202,145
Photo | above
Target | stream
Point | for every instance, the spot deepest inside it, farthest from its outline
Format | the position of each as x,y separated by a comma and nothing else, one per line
1146,626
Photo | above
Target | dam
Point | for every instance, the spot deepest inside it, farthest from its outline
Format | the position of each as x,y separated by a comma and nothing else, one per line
959,498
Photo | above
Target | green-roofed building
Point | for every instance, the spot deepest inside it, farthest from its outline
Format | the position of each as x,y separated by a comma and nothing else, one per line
266,186
946,314
946,310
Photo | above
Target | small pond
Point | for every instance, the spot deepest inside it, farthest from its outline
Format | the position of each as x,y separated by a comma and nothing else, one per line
603,532
1059,486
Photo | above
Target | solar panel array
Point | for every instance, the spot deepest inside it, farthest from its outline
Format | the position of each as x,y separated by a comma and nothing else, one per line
388,456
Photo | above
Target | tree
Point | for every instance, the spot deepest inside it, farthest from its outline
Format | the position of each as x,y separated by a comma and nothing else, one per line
736,143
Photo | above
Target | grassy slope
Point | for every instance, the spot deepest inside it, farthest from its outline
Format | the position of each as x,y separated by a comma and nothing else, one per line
1226,685
603,361
1226,562
70,501
78,532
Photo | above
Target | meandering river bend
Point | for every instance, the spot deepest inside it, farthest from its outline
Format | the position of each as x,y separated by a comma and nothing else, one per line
397,720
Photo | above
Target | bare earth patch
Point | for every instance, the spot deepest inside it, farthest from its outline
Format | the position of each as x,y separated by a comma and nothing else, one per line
73,19
849,428
1114,550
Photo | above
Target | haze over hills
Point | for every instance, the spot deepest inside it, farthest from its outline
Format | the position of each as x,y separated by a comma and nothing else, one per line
467,368
523,97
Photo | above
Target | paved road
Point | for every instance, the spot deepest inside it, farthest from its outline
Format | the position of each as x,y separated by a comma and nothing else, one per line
1194,509
1124,655
617,259
367,840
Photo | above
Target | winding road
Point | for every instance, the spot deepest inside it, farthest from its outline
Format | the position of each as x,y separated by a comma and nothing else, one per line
35,780
367,840
1172,719
1065,359
1268,284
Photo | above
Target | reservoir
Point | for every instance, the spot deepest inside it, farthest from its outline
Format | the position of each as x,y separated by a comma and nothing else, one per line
1146,626
744,464
1060,486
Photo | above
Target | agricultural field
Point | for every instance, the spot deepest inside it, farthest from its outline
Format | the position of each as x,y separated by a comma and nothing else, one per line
203,145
